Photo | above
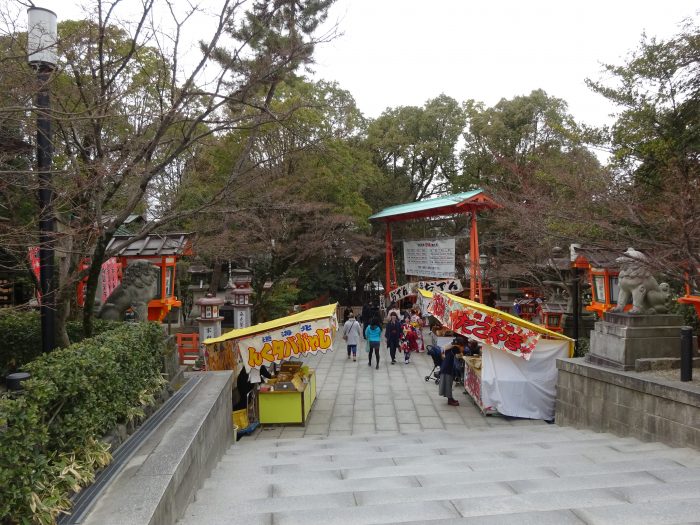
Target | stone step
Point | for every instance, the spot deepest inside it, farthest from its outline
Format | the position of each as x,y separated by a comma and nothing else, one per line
656,512
407,447
400,453
477,501
554,517
587,461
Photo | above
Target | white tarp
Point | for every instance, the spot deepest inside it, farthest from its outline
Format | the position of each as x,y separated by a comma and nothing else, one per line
520,388
429,258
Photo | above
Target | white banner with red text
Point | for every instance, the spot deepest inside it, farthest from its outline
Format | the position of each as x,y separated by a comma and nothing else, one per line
485,328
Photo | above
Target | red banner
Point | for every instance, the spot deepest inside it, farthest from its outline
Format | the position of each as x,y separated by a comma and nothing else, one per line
110,276
35,263
483,327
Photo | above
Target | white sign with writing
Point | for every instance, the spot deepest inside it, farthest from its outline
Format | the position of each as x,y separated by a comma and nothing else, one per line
280,344
447,285
429,258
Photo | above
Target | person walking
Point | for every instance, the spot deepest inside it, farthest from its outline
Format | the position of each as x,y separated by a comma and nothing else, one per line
352,333
373,334
394,330
447,373
366,316
411,337
417,322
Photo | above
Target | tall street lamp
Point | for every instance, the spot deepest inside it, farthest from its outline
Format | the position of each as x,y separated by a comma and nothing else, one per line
41,51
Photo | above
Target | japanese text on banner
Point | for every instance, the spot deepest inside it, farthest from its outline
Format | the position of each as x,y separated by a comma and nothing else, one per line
409,289
488,329
278,345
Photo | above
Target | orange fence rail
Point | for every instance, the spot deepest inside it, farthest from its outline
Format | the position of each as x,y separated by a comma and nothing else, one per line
187,348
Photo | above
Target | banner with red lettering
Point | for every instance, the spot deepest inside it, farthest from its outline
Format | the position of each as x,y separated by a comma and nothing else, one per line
280,344
485,328
111,277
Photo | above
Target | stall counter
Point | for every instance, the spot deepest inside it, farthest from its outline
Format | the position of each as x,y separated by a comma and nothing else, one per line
472,383
287,406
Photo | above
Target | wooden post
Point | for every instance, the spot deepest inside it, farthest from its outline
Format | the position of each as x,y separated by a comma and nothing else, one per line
389,260
475,287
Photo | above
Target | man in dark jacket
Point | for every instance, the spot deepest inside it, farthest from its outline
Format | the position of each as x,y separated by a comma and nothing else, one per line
447,373
366,316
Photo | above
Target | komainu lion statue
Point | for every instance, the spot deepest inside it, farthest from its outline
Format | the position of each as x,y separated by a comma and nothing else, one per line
637,283
139,285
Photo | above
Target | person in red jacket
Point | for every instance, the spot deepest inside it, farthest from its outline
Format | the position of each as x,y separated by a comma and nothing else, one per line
411,336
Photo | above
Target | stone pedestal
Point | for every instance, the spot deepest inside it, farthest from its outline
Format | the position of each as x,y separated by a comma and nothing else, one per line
620,339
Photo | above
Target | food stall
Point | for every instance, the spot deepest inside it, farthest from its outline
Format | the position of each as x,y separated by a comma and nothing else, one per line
288,397
516,373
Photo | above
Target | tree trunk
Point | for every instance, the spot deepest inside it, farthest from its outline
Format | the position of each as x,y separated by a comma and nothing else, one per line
92,282
215,278
66,263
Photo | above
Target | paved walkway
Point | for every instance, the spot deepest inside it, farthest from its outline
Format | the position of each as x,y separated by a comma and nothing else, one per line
382,447
354,398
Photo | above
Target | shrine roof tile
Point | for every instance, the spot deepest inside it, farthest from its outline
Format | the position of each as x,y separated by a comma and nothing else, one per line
447,205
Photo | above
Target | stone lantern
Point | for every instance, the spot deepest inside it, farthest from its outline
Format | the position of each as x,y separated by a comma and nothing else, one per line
209,319
200,276
238,293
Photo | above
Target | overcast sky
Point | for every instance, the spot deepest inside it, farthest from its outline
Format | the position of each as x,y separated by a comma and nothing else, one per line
404,52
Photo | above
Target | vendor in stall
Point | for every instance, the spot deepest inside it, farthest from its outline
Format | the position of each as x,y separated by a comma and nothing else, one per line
448,371
245,383
473,348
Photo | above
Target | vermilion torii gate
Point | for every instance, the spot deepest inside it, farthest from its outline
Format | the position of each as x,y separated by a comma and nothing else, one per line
469,202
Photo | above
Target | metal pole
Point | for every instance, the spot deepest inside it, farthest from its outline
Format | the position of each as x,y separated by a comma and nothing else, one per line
44,153
388,256
42,34
577,308
686,353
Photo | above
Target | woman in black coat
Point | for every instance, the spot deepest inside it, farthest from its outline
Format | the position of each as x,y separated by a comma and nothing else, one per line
394,329
448,369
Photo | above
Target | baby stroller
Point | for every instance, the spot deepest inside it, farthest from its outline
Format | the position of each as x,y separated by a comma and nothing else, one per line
435,352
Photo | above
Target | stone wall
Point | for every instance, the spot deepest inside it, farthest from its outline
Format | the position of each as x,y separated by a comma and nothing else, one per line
160,480
627,404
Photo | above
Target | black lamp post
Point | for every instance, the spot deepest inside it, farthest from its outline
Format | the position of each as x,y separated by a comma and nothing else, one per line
41,51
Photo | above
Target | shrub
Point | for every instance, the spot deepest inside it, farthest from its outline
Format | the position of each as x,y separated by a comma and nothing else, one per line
21,337
50,432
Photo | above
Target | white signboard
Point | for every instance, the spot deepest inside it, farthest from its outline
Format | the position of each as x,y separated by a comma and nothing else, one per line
447,285
429,258
280,344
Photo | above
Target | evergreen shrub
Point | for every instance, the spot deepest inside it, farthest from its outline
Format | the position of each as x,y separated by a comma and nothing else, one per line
50,432
21,337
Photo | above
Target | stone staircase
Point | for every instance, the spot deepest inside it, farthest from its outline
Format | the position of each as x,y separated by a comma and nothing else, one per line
519,474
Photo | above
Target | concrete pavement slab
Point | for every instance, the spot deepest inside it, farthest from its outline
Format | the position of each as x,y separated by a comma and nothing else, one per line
432,422
658,513
368,514
536,502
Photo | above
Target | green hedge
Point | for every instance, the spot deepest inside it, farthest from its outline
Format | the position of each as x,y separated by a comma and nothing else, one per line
21,337
49,433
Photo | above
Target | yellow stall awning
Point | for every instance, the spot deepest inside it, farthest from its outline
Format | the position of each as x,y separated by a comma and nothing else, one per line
499,314
307,332
307,315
